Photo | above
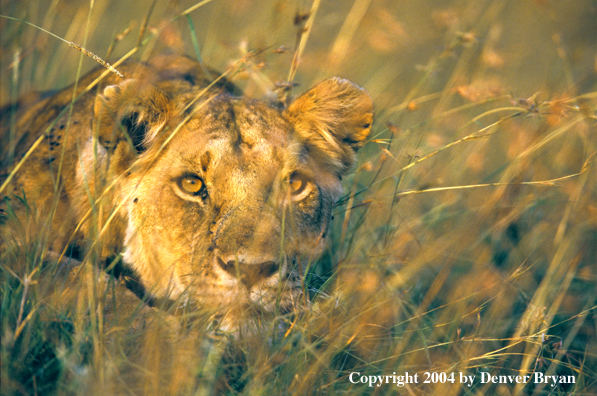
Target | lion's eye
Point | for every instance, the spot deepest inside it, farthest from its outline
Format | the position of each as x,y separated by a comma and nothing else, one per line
191,184
298,185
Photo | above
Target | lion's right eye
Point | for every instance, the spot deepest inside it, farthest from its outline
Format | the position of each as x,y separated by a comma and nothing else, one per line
191,184
299,186
296,183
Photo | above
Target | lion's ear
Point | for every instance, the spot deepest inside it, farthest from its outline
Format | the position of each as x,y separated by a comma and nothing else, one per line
131,111
333,119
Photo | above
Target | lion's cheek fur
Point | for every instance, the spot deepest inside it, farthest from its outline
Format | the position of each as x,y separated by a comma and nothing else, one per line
155,267
156,245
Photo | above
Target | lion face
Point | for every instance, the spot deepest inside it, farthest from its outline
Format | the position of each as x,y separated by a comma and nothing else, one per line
231,211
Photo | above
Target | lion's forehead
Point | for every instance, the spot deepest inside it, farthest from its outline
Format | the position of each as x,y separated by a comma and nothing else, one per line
239,131
242,121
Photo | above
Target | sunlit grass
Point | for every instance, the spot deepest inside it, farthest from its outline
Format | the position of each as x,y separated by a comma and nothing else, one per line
466,240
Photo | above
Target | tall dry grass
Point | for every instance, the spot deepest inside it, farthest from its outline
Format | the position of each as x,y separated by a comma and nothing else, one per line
466,241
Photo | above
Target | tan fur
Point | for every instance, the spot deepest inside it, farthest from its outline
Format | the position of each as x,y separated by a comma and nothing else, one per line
240,244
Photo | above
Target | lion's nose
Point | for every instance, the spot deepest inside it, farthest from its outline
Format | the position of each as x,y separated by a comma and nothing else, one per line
249,274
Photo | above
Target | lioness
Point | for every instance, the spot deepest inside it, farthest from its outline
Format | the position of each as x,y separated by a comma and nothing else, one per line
213,199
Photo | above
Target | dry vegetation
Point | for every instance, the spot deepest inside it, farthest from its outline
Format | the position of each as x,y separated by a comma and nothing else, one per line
466,243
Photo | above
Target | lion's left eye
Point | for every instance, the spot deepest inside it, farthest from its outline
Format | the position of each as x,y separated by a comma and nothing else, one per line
191,184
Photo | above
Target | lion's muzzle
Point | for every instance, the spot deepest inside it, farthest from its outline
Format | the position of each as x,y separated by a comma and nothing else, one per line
249,274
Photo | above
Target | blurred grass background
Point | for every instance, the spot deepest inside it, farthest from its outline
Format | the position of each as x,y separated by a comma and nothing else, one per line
467,241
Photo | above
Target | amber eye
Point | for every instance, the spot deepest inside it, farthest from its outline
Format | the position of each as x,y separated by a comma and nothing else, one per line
298,185
295,184
191,184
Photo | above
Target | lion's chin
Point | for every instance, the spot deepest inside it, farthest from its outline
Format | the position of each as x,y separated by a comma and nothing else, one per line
249,318
243,320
